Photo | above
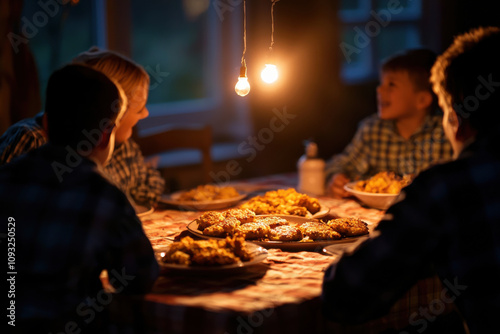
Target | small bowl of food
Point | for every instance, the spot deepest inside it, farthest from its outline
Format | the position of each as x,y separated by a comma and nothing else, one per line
379,191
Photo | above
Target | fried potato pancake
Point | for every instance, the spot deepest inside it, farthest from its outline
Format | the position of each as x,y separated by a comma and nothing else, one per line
318,231
285,233
348,227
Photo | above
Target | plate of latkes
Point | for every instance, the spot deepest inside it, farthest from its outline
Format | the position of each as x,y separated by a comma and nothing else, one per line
211,255
286,233
286,203
204,197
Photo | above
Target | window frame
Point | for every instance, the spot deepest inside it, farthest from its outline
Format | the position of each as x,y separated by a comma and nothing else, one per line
368,69
223,109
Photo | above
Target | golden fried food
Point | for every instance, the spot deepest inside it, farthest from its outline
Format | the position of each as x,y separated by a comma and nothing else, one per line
178,257
318,231
227,227
239,247
285,233
281,201
210,218
383,183
348,227
208,192
251,227
243,215
272,221
208,252
254,230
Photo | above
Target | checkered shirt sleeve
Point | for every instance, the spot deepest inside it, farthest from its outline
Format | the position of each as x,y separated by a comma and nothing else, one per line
132,175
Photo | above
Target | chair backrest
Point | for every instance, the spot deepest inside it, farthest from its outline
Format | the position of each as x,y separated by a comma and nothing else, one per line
183,137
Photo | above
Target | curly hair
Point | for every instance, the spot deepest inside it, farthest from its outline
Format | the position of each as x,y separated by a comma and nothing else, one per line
466,78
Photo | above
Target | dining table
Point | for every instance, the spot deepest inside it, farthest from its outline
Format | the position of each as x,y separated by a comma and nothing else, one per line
280,294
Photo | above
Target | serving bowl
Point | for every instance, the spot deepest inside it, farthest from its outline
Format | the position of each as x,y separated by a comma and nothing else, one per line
374,200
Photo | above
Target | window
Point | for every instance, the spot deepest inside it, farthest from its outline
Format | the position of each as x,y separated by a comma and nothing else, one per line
375,29
172,41
183,45
56,33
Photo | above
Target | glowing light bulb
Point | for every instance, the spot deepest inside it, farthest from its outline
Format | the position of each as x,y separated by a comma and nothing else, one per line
242,87
269,74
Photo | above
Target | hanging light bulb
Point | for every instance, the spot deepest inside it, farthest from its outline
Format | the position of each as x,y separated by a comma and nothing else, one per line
242,87
270,73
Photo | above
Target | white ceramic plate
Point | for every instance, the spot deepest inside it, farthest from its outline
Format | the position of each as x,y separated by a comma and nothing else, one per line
338,249
283,245
173,199
375,200
259,255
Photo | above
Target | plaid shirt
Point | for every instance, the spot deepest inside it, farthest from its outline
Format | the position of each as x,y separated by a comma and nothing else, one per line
377,147
129,172
22,137
448,223
126,168
66,233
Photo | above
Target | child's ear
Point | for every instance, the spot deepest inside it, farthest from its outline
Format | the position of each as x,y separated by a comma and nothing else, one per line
424,100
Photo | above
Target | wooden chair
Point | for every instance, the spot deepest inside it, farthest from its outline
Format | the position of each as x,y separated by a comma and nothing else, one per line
176,138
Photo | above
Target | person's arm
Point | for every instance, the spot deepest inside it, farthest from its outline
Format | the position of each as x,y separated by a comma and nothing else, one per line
353,161
132,267
364,285
150,185
335,185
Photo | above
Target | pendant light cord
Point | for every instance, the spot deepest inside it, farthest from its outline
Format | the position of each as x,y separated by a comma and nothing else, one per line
272,23
244,32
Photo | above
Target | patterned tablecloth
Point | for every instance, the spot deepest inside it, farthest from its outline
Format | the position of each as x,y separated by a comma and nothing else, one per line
278,295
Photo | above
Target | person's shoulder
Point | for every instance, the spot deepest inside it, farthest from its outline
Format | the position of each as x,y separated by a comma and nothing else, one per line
436,119
26,166
370,120
373,123
29,126
113,197
32,123
126,149
440,178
